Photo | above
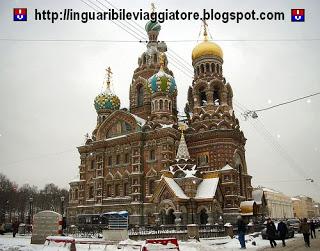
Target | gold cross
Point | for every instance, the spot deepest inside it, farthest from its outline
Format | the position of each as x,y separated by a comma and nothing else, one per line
153,7
109,74
205,33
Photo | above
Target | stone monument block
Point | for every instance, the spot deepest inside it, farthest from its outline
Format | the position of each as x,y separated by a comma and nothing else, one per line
45,223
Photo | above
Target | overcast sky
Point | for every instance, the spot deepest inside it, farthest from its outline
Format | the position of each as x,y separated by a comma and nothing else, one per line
48,88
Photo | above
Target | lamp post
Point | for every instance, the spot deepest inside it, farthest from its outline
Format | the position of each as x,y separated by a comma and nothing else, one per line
30,210
62,213
62,205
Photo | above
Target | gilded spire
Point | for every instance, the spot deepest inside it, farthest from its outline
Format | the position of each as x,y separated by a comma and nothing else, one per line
183,152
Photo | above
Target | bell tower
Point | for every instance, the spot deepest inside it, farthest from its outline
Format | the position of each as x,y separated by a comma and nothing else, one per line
214,137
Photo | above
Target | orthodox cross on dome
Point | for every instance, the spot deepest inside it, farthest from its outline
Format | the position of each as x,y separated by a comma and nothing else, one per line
153,8
108,79
205,30
183,152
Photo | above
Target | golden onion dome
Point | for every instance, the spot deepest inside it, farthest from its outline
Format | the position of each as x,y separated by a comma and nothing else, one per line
207,48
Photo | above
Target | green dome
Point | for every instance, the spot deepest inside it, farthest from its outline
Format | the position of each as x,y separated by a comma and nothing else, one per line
152,26
162,82
106,101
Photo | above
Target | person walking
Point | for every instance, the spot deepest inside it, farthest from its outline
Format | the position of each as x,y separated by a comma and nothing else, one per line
241,232
271,232
15,227
305,230
313,229
283,231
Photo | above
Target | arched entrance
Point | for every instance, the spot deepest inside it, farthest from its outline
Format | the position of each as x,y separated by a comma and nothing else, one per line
170,217
203,217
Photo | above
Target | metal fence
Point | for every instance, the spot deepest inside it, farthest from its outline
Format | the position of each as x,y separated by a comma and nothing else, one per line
150,232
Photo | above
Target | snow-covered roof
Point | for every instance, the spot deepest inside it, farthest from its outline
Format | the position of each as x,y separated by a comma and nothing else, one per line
175,188
226,167
269,190
257,196
139,120
116,137
166,126
207,188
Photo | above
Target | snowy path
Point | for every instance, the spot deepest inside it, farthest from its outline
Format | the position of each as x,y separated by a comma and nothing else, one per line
22,243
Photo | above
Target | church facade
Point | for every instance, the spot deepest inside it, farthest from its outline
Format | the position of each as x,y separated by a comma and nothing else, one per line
144,161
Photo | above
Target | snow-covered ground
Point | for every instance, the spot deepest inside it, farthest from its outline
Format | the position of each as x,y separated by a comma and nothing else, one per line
22,243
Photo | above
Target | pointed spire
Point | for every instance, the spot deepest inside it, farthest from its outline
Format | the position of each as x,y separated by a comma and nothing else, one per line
183,152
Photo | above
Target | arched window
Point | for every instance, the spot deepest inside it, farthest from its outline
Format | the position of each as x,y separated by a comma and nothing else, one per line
202,68
140,95
117,190
125,189
155,58
220,69
152,106
203,97
157,105
216,97
198,70
161,104
217,68
207,68
170,106
76,194
212,67
151,186
166,104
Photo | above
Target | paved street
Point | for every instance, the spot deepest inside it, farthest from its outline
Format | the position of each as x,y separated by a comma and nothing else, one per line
297,244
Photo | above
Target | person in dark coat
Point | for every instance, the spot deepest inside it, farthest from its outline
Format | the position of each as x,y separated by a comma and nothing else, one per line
241,232
271,232
15,227
283,230
313,229
305,230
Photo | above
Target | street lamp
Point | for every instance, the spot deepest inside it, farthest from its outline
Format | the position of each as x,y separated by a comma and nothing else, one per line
30,210
62,205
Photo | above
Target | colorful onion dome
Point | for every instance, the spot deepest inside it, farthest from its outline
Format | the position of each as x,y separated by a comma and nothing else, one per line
161,81
152,26
107,99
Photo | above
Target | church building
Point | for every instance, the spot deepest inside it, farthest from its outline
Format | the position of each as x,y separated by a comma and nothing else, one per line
142,159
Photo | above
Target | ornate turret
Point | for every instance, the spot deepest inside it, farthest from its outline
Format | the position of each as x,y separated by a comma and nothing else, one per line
163,89
106,102
148,66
